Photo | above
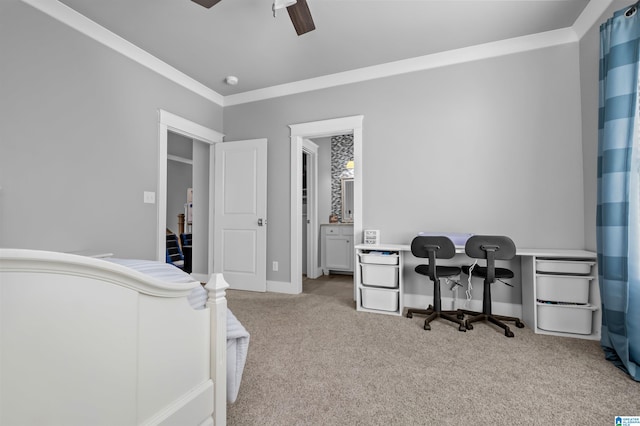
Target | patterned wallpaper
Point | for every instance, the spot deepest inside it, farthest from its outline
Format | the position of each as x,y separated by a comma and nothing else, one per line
341,152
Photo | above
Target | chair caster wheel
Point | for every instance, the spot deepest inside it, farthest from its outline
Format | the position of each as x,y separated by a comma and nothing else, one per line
462,328
409,315
427,327
469,327
508,333
519,324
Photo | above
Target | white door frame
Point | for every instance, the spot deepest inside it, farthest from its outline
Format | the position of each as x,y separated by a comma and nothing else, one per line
311,150
315,129
170,122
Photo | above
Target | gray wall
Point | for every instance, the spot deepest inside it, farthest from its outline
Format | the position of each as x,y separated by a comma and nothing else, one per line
490,146
78,138
498,146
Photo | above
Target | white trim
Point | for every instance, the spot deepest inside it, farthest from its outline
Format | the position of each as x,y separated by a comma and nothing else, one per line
79,22
590,16
311,149
295,244
331,127
280,287
161,195
179,159
86,26
190,129
212,203
420,63
176,124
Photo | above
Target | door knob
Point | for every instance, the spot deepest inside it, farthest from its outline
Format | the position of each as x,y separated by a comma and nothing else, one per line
261,222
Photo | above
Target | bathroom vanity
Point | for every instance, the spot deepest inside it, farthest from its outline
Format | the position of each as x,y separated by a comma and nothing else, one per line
337,252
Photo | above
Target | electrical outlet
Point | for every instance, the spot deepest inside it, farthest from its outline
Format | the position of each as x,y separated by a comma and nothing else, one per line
275,265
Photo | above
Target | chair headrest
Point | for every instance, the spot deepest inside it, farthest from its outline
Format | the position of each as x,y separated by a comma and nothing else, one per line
502,247
443,246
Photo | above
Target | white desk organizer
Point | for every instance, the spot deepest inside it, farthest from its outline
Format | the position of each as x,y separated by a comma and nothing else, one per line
379,279
560,294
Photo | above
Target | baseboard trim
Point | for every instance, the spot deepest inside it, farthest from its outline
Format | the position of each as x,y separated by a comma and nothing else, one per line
281,287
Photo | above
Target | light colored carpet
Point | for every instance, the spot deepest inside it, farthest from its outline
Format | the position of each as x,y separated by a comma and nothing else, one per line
314,360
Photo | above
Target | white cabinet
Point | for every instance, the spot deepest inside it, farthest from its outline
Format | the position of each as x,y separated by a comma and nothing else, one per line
561,295
337,248
379,279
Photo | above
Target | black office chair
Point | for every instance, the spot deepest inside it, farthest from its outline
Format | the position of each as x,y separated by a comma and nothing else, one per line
435,248
490,248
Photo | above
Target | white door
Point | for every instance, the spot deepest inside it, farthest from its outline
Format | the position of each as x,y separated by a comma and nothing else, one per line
240,237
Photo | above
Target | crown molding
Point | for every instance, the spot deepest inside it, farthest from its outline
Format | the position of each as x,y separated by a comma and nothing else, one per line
420,63
589,17
86,26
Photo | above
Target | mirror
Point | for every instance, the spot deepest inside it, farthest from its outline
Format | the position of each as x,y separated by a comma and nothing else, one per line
347,200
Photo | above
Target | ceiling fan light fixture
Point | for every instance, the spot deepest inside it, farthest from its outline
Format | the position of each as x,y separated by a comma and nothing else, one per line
281,4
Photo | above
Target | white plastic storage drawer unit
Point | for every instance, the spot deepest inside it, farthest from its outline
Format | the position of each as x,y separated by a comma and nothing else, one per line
379,270
565,318
379,258
379,299
563,288
565,267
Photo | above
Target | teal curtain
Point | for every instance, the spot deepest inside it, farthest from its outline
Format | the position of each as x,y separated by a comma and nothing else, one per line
618,219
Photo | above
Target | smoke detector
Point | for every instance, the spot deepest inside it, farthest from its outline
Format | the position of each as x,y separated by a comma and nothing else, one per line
231,80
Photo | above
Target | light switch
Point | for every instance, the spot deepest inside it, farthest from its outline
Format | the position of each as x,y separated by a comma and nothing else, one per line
149,197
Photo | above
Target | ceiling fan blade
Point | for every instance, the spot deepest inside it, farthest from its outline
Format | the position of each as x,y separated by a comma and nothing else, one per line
206,3
301,17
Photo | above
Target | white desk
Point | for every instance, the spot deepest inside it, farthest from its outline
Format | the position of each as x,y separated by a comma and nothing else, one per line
528,279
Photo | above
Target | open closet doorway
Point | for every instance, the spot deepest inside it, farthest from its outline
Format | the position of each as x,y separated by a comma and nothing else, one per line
180,180
312,130
201,139
310,266
188,179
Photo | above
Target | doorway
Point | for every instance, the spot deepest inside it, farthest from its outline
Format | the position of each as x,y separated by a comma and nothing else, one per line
171,123
316,129
310,209
188,179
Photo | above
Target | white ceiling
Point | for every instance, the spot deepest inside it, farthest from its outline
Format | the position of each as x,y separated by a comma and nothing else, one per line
242,38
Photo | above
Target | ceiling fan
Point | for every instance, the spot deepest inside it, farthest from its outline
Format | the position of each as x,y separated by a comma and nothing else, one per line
298,12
